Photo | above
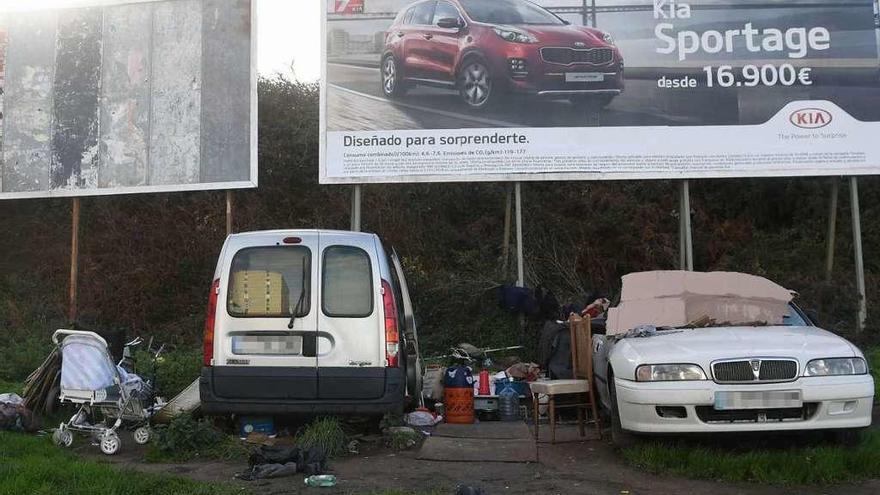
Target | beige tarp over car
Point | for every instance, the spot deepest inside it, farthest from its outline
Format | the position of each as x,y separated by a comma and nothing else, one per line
680,298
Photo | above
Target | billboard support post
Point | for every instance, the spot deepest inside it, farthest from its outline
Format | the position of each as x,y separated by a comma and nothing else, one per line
520,259
228,212
832,229
505,247
686,239
857,243
356,208
74,260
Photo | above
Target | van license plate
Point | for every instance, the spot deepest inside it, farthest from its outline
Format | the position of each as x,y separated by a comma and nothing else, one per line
582,77
771,399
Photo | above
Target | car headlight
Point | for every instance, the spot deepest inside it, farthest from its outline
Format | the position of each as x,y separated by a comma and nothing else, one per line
514,36
836,366
669,372
608,38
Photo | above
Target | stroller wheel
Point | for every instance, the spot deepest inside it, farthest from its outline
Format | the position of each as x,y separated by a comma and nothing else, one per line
110,443
142,435
62,437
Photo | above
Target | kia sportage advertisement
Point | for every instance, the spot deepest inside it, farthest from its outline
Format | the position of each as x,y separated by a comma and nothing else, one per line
437,90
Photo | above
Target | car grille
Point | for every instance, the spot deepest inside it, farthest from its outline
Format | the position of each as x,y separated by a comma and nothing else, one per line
772,370
708,414
569,56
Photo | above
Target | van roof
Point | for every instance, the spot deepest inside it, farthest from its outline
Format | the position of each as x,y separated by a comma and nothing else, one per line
294,232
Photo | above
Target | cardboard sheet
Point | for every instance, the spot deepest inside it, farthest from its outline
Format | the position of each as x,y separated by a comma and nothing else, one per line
679,298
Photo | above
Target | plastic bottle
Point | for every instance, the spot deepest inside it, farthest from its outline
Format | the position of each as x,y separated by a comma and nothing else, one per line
508,403
321,480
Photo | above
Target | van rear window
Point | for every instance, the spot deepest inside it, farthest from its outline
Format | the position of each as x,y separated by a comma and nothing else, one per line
269,282
348,282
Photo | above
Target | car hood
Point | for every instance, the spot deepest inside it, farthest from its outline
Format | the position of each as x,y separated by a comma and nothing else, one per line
705,345
563,35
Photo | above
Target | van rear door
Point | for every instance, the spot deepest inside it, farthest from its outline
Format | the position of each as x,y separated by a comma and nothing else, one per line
351,363
269,321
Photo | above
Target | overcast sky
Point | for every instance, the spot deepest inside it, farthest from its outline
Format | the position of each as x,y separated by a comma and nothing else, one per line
289,31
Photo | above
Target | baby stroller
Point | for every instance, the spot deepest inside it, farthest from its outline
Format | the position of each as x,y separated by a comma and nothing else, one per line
109,397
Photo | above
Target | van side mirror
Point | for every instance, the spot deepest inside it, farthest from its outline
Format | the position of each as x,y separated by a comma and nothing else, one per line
449,23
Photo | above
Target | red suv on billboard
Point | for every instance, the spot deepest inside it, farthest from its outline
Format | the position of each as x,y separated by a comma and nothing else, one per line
485,47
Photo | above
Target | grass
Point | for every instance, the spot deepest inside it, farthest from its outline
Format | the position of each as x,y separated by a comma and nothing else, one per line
32,465
799,465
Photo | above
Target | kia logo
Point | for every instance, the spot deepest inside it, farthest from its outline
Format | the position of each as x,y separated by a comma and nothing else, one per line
579,44
811,118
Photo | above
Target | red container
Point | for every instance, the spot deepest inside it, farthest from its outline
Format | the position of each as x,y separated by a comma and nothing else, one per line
484,382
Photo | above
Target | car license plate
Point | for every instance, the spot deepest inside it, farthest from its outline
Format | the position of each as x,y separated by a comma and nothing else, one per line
772,399
581,77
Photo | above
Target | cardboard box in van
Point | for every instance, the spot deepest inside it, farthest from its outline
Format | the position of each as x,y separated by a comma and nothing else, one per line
259,293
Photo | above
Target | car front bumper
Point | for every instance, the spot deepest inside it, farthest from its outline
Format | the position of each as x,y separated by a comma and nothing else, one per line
829,403
546,79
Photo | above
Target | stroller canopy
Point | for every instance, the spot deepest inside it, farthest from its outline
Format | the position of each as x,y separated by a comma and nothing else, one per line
86,364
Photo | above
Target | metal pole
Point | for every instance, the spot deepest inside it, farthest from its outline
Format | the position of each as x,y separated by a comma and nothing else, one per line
356,208
686,235
584,13
682,240
832,229
857,243
520,262
505,247
229,213
74,261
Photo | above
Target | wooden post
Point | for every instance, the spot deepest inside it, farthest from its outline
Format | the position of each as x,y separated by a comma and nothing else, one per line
74,261
505,247
228,212
832,229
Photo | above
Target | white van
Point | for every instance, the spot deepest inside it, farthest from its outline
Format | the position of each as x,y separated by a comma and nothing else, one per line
308,321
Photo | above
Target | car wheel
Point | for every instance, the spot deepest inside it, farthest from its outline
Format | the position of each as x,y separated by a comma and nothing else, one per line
619,437
475,84
392,80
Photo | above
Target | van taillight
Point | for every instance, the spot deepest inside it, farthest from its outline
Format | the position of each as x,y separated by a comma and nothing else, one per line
210,318
392,334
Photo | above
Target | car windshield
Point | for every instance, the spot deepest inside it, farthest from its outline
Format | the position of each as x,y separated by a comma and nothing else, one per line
510,12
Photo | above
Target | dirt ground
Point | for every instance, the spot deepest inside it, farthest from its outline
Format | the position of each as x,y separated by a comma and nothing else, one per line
569,467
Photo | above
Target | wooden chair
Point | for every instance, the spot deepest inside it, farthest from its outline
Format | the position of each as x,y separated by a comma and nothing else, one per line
582,384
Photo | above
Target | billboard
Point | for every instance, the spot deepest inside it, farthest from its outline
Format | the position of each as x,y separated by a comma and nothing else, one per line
120,96
487,90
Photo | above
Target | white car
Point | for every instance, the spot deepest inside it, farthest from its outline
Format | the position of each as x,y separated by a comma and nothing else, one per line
671,378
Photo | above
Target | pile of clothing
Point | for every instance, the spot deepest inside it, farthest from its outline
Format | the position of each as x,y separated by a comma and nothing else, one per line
15,416
275,461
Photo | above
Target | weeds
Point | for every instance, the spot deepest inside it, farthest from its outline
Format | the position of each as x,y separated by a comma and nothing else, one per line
325,433
186,438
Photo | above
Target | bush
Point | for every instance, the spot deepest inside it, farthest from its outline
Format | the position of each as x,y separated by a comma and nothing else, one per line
21,354
325,433
186,438
175,370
